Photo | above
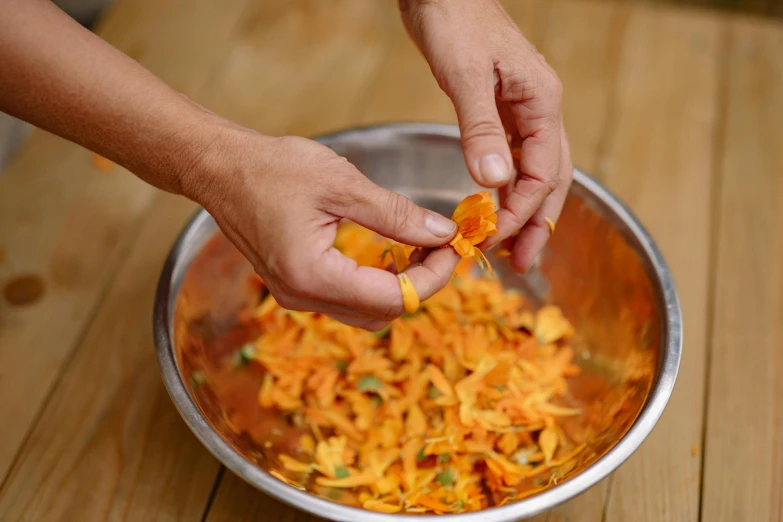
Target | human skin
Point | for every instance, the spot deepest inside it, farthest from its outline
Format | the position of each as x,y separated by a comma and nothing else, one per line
280,199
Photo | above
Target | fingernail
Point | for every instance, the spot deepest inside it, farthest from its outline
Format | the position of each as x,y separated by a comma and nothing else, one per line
439,225
493,169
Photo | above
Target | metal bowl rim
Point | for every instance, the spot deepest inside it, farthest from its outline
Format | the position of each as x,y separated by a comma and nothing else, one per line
187,246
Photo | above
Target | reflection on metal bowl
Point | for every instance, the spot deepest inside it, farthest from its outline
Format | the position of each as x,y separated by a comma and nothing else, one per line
601,268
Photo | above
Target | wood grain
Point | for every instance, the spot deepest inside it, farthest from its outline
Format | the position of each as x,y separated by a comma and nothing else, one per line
587,62
743,473
295,67
62,219
659,160
109,444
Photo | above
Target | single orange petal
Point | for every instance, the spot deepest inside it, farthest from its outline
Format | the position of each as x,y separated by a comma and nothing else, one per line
551,225
466,205
410,299
291,464
439,380
399,256
548,440
102,164
415,423
381,507
366,478
432,503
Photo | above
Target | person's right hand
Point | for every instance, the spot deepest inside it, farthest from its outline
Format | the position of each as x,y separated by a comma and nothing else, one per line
280,200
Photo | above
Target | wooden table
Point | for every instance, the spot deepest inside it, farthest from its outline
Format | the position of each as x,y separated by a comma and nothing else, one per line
680,112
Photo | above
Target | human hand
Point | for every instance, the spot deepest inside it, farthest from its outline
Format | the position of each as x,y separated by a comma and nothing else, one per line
280,201
500,86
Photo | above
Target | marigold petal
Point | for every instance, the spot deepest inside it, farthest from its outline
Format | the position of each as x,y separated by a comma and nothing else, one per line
381,507
410,299
548,440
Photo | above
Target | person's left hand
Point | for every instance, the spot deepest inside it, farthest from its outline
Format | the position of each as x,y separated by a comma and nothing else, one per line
503,91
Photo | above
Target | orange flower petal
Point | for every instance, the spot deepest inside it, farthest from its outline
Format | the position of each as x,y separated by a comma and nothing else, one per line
103,164
362,479
551,225
410,299
381,507
548,440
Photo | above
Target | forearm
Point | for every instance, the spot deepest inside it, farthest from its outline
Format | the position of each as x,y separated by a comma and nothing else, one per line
64,79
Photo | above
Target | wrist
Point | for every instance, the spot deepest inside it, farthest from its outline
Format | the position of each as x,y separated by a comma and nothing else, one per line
213,166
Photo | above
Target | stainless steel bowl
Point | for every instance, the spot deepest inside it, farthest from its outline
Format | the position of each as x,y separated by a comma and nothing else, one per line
601,267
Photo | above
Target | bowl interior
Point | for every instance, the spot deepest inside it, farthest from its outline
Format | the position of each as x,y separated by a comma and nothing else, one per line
595,268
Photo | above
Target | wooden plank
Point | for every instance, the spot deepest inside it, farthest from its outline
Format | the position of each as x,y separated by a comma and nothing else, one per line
109,444
68,224
583,43
743,468
660,161
296,69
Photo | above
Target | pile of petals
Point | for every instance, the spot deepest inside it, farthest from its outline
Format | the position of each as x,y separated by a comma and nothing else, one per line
457,407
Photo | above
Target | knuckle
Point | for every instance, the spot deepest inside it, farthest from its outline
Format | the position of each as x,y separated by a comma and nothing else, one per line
525,199
551,184
399,211
548,182
516,85
479,130
460,77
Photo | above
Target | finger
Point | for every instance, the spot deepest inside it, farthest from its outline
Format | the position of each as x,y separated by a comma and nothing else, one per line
536,104
419,255
522,200
538,120
536,232
376,292
393,215
484,143
295,303
365,324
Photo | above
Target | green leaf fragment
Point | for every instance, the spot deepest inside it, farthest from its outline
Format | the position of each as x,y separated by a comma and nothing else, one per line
369,383
444,478
341,472
434,393
421,456
246,353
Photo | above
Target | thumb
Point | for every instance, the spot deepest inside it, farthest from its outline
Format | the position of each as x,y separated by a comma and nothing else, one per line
484,141
394,216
